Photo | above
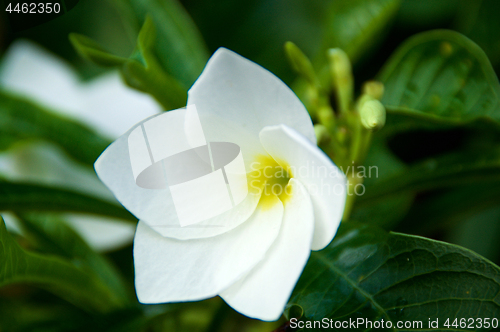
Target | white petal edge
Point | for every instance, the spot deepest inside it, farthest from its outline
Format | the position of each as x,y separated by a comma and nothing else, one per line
35,73
102,234
169,270
104,103
112,107
236,98
323,180
264,292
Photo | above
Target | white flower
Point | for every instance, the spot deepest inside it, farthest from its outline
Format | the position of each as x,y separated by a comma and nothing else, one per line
256,255
104,104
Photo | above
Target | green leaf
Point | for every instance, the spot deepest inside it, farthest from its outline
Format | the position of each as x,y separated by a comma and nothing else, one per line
92,51
439,78
355,26
477,20
53,235
370,274
21,119
146,74
142,71
179,45
77,284
24,197
465,167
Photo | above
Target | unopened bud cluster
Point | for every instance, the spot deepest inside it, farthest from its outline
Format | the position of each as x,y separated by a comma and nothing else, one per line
343,126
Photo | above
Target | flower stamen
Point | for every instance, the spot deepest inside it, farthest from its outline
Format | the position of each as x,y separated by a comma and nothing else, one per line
269,178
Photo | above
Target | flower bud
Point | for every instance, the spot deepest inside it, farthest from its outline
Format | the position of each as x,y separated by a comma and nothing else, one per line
342,79
372,114
373,89
301,63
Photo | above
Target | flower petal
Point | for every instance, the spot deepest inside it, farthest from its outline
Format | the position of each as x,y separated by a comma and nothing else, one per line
324,181
102,234
30,70
236,98
112,107
105,104
264,292
156,207
169,270
216,225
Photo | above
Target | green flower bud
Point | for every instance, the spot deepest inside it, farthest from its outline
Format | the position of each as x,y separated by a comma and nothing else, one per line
373,89
372,114
342,79
301,63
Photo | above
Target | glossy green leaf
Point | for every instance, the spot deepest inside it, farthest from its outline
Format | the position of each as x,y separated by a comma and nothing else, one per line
370,274
458,168
24,197
21,119
439,78
53,235
76,284
179,46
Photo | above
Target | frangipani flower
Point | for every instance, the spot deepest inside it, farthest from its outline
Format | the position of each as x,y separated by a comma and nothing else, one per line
104,104
253,254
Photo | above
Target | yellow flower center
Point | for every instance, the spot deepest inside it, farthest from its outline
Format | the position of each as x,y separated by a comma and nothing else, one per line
270,178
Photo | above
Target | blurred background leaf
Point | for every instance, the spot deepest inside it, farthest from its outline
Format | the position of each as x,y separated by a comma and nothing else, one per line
479,21
23,197
53,235
179,45
356,26
21,119
77,284
142,70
